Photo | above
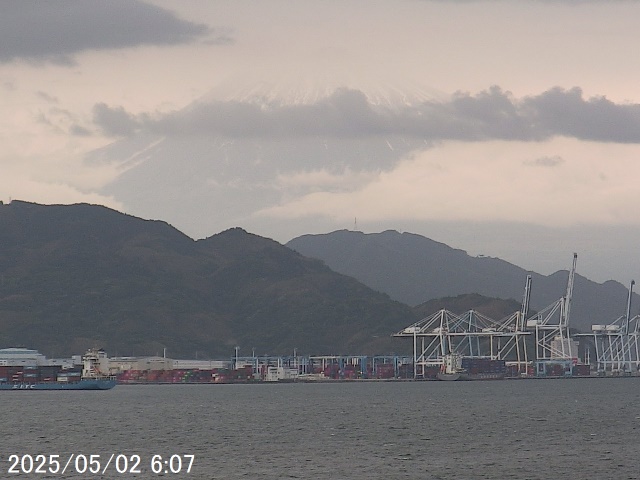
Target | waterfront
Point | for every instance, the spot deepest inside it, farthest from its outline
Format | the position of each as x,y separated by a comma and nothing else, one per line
528,429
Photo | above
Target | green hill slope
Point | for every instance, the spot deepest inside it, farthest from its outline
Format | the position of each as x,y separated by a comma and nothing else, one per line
76,276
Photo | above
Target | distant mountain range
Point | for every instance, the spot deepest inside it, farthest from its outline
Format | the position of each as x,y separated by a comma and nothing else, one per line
77,276
413,269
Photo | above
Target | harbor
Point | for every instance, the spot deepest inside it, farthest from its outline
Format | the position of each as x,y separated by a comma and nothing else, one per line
451,346
446,346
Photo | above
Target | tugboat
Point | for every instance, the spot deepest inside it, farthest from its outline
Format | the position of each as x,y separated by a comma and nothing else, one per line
94,376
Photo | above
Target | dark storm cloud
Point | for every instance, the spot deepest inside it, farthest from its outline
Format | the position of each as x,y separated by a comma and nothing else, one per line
56,30
489,115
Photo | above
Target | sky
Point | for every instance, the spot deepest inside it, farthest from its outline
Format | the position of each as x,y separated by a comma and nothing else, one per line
506,129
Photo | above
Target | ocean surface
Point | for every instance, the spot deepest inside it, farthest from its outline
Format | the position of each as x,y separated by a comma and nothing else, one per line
520,429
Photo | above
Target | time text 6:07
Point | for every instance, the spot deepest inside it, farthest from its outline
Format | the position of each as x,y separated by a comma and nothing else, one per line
80,463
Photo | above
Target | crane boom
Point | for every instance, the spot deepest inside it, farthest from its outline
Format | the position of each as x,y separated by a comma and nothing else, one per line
524,311
628,318
566,304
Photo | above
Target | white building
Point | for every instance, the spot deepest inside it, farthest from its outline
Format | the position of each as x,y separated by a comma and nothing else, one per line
563,348
21,357
275,374
200,364
121,364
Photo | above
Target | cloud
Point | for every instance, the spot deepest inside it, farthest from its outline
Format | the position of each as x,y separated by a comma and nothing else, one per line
9,85
323,180
565,112
343,156
489,115
46,97
60,121
44,179
79,131
114,121
345,113
545,161
56,31
460,181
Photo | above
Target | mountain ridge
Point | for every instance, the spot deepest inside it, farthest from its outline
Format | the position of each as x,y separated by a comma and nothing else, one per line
77,276
414,269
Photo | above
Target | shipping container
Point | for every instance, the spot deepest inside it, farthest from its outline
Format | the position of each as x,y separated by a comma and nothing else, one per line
581,370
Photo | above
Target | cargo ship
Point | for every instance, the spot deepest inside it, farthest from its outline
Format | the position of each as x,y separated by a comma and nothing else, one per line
55,377
456,367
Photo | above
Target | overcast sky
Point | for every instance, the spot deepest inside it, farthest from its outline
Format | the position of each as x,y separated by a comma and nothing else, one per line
508,129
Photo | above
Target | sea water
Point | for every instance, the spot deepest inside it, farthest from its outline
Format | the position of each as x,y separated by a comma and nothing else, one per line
519,429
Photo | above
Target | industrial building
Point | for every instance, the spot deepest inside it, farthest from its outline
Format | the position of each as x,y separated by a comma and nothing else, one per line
31,358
